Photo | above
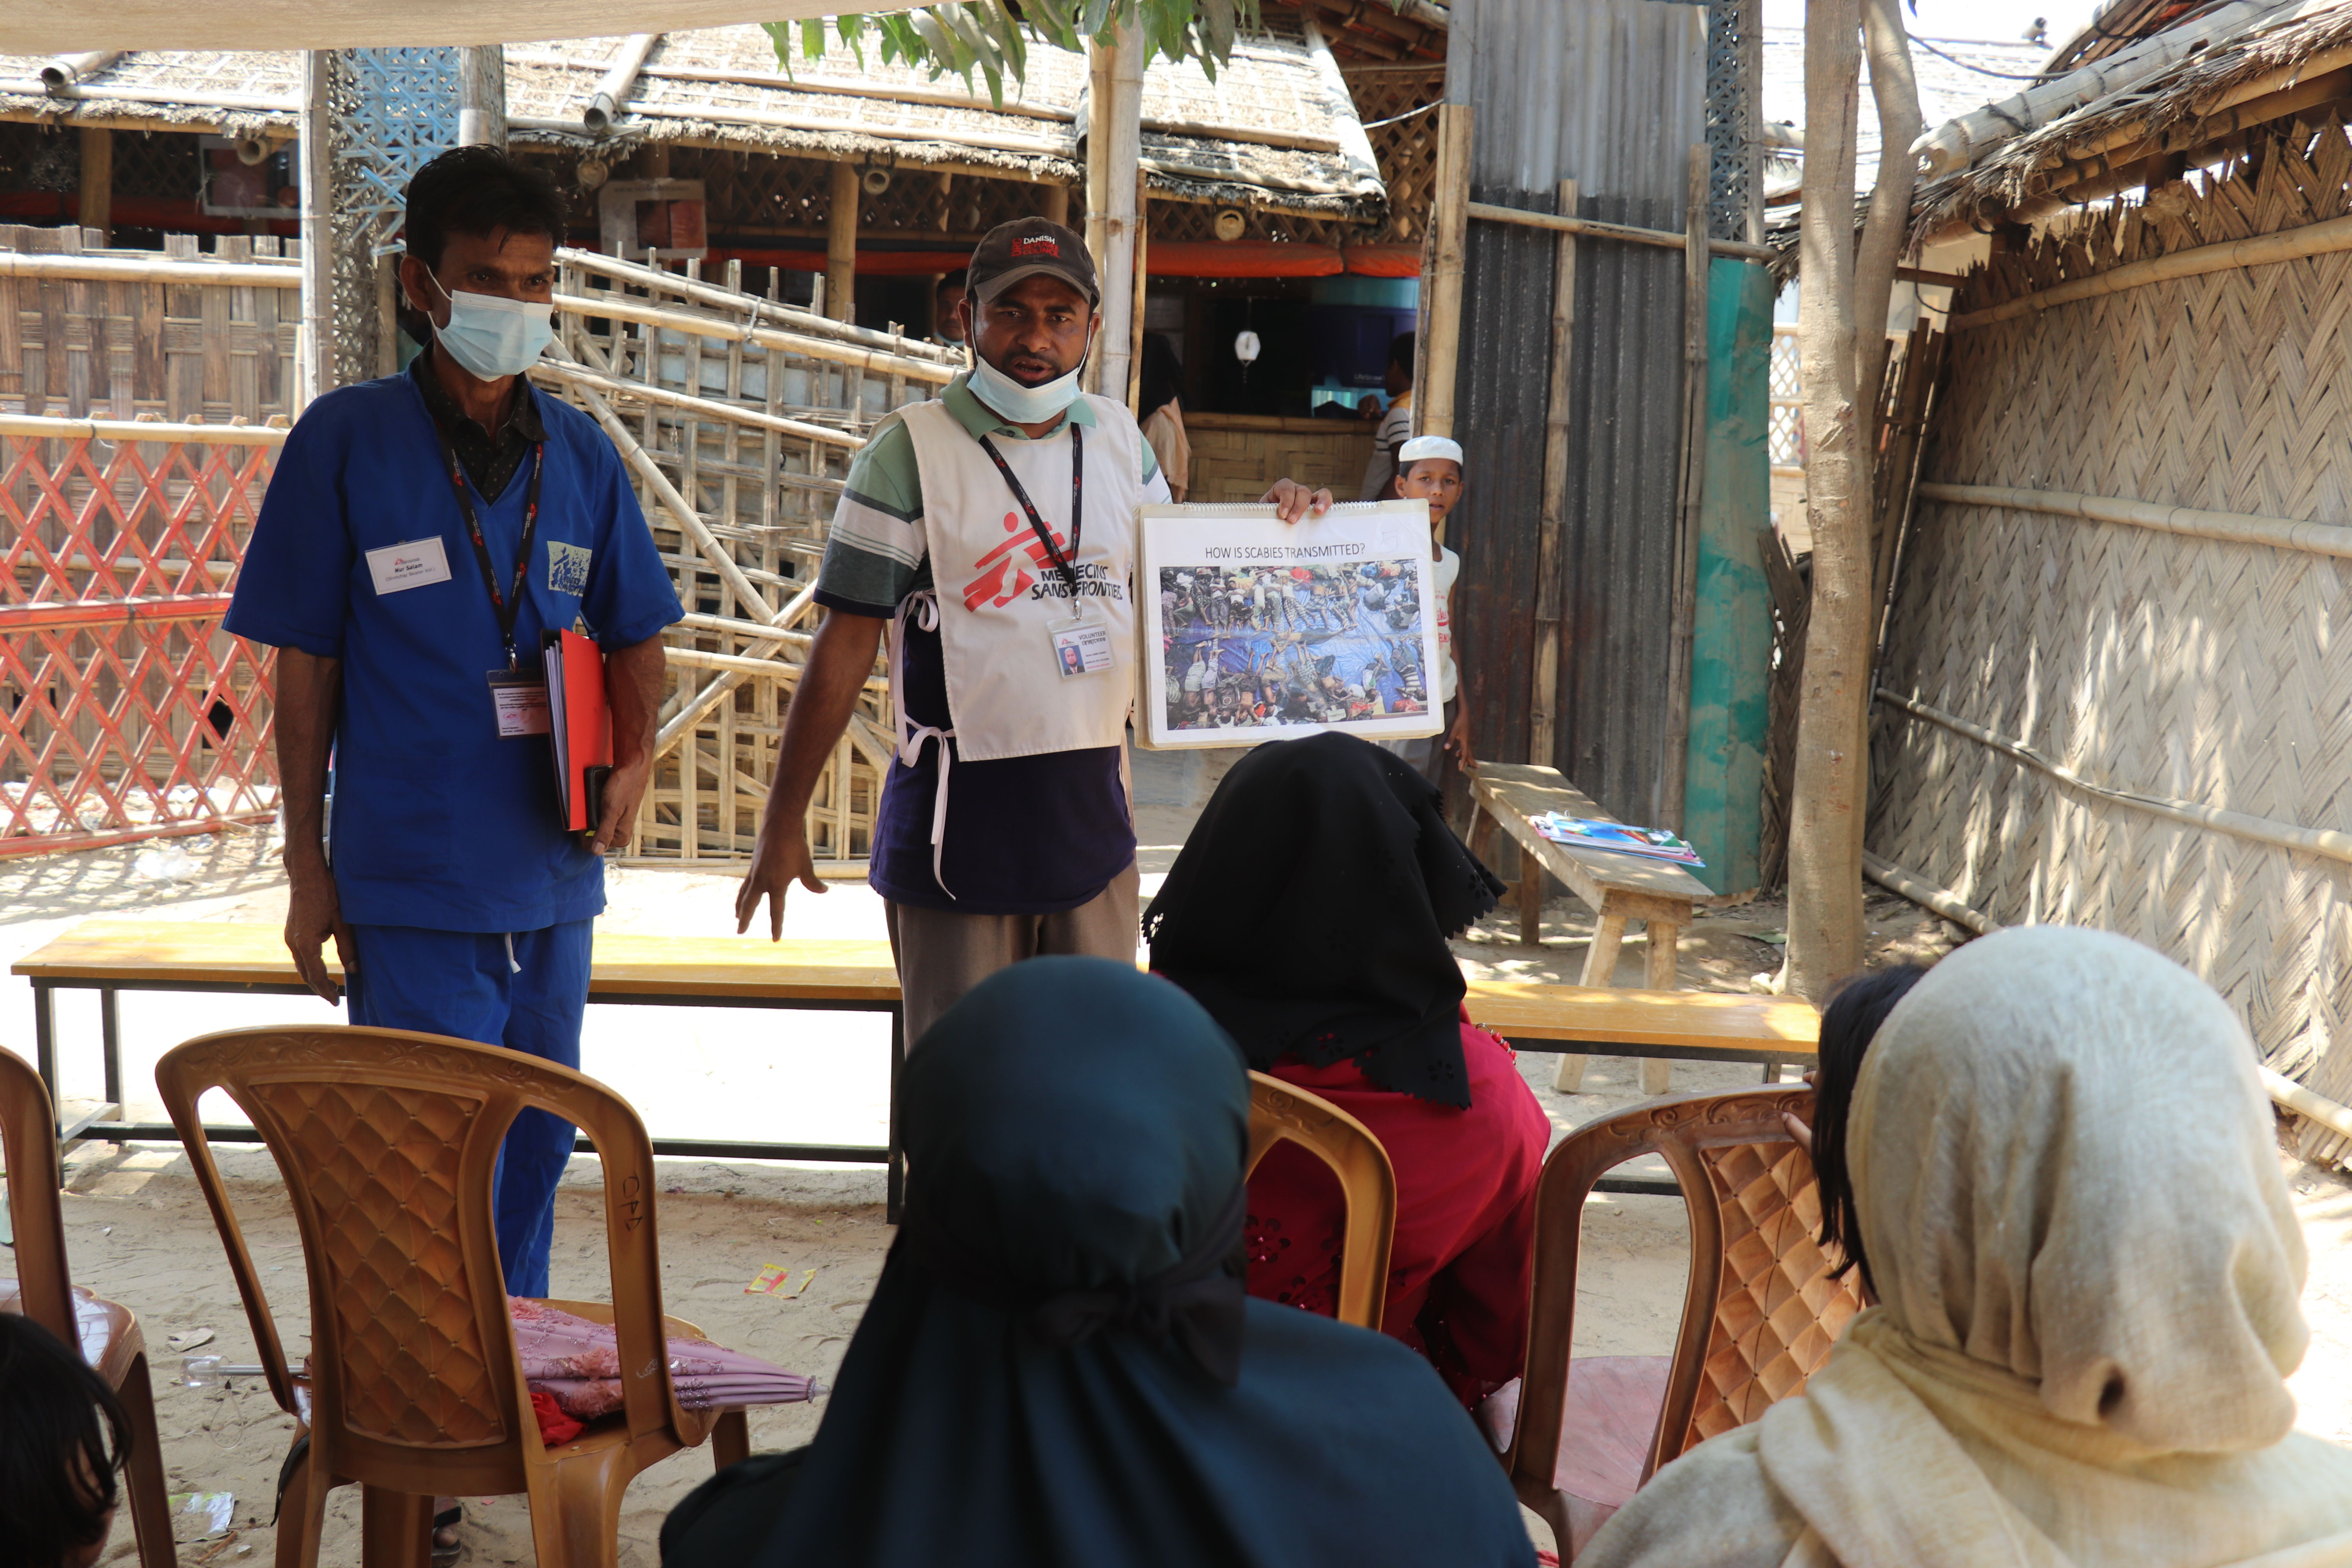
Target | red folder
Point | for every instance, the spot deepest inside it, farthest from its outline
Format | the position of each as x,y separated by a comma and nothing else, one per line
579,725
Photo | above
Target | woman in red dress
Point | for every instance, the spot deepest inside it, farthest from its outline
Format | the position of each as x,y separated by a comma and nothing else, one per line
1309,913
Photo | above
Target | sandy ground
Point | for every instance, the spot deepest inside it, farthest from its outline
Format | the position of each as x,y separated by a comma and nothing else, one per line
139,1232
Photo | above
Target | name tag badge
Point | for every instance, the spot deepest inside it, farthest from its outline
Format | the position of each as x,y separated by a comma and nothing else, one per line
1080,647
410,565
520,702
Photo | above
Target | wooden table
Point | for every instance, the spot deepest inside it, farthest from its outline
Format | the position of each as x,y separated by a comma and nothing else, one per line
113,956
1616,886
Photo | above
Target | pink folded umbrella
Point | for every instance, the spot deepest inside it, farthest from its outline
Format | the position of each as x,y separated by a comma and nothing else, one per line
578,1363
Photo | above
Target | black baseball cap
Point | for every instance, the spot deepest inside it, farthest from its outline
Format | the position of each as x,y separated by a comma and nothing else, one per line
1025,247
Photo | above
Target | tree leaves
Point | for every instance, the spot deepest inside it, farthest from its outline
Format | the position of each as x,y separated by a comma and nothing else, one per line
991,36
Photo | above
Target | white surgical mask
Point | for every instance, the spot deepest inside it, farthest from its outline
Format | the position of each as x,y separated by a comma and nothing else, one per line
1026,405
492,336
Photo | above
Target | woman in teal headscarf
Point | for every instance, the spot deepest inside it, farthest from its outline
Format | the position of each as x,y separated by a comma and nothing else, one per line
1059,1366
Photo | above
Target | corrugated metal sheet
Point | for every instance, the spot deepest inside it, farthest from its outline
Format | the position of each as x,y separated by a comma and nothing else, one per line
1609,93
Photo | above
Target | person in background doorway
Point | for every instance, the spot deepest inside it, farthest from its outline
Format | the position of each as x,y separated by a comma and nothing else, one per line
1429,467
1396,426
1163,418
946,307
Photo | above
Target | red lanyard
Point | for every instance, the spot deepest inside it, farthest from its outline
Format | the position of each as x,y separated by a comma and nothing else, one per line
505,607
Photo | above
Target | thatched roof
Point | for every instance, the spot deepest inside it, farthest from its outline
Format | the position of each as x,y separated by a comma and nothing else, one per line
1276,129
2282,65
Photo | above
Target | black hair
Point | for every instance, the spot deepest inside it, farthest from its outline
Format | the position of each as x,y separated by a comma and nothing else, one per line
950,281
479,191
1852,1020
1400,349
57,1461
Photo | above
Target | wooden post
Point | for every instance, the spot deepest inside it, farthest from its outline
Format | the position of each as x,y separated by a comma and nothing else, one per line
1114,155
1544,726
1135,338
1449,232
841,245
98,182
315,360
1675,766
1057,204
482,96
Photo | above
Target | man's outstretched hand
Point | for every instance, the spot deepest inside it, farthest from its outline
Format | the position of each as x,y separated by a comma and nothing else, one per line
781,859
1292,501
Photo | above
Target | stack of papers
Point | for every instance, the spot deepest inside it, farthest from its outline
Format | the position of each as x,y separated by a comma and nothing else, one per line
1653,843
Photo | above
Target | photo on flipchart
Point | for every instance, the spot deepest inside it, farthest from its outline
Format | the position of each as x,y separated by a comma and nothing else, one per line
1258,630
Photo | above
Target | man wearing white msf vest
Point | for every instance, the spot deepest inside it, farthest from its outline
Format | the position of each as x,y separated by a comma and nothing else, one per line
992,532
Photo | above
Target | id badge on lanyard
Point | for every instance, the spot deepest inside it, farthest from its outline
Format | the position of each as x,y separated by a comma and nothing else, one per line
518,696
1080,643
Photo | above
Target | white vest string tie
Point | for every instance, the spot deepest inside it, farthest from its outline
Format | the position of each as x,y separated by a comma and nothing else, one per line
911,736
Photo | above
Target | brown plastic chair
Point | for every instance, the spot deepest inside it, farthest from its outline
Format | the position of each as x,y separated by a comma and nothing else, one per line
386,1141
43,1290
1761,1311
1281,1113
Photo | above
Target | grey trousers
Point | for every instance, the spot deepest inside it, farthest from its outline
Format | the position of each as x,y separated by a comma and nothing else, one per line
942,954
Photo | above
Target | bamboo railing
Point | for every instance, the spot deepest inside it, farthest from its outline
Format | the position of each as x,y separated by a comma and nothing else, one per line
737,415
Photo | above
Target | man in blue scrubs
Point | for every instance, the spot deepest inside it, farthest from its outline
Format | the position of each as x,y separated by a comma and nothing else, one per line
419,534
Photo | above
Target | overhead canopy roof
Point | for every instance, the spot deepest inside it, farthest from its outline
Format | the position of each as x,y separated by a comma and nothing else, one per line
1277,128
59,26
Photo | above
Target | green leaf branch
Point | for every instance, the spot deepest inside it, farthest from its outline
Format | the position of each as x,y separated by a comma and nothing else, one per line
992,36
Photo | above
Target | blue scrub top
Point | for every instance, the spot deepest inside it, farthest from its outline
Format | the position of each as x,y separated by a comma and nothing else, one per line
438,821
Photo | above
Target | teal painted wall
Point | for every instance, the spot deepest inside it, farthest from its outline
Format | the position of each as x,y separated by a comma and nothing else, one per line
1732,634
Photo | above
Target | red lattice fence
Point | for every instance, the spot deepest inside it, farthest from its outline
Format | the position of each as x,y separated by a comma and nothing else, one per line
125,711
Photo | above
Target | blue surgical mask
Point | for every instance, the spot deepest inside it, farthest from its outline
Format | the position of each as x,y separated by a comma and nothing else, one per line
492,336
1025,405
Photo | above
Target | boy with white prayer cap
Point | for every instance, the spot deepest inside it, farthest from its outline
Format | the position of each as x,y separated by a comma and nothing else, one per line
1429,467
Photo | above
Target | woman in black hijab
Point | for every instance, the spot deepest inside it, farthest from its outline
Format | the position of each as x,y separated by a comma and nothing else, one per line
1059,1369
1309,913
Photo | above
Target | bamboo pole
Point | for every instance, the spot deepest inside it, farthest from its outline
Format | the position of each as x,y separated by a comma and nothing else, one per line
790,317
123,269
613,90
2325,842
1544,721
2109,154
1959,143
1675,766
622,307
315,276
41,427
176,97
2261,250
1114,176
2328,538
709,408
1440,346
841,244
63,71
689,519
1142,252
1664,237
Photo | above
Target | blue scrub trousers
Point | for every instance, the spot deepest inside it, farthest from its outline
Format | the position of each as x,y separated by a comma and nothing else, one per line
462,984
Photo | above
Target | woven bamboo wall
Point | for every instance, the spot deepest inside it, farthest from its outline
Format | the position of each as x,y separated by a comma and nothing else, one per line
73,348
2198,670
1236,455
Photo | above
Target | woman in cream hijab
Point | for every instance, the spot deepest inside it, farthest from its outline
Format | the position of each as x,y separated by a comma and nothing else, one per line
2073,1221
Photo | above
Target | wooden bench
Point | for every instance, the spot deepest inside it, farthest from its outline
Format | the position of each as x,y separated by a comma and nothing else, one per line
1676,1025
113,956
1615,886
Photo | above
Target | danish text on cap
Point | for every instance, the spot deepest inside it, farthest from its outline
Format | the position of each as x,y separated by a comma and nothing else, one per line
1036,245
